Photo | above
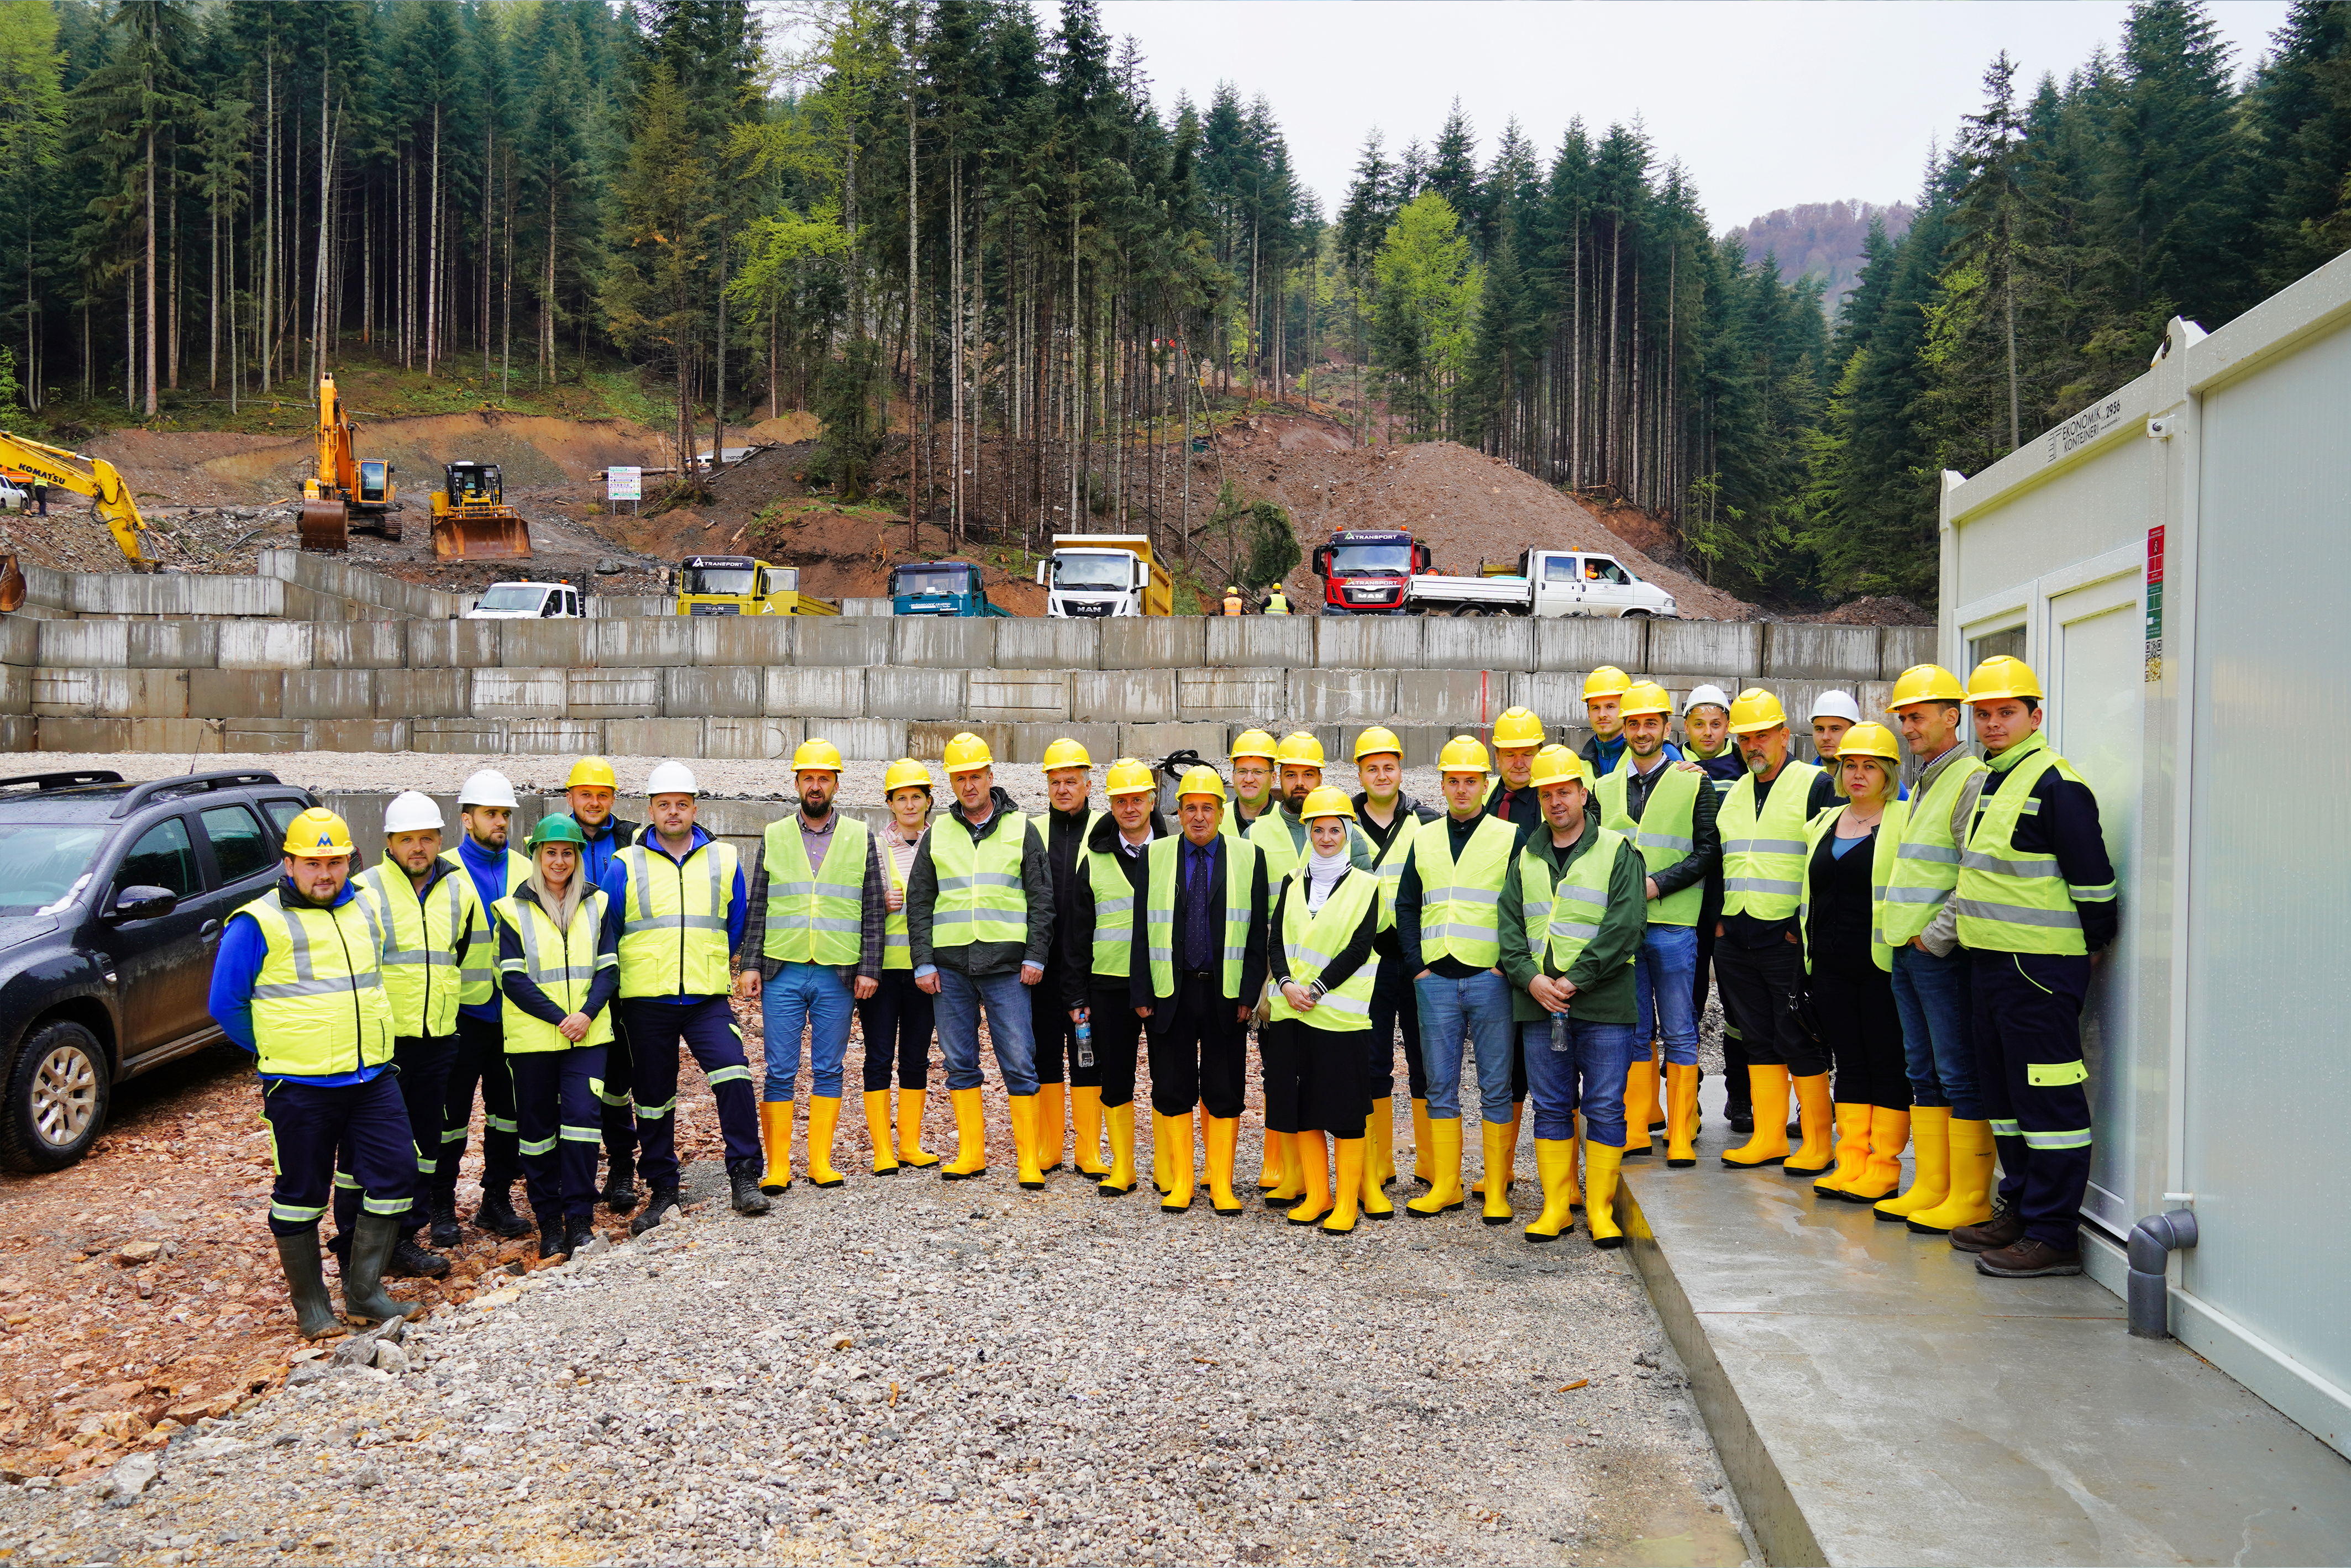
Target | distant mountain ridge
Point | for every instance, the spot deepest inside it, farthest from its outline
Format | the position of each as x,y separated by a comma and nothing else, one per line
1822,239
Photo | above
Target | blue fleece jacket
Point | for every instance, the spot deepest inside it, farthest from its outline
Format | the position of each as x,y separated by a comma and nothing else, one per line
615,883
237,966
487,867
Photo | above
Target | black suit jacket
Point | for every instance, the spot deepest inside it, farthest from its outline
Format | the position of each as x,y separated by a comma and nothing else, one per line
1253,959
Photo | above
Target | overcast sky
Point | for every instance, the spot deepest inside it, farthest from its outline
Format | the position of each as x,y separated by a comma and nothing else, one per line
1769,103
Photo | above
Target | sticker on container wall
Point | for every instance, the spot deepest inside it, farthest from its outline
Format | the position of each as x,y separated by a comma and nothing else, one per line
2155,604
2090,425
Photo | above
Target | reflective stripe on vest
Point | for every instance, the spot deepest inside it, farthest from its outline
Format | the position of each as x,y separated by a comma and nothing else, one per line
1311,941
2007,902
1763,861
673,921
815,916
318,1003
1240,858
478,976
979,898
421,978
1580,899
1113,950
897,949
1926,866
1461,904
1666,834
562,964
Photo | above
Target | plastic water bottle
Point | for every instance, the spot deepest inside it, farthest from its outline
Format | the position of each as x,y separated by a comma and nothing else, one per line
1559,1031
1086,1039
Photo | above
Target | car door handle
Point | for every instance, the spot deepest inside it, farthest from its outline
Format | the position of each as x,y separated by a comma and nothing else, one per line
211,931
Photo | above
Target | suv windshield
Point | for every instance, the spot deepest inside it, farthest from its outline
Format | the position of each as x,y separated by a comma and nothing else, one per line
513,597
727,582
42,862
926,580
1094,572
1351,560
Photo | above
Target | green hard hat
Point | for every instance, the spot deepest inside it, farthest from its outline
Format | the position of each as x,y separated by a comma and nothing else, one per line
557,830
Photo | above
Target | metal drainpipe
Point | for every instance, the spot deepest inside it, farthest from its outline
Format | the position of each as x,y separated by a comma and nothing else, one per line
2152,1242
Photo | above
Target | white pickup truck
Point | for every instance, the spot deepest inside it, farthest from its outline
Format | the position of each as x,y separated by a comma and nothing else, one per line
1547,583
528,601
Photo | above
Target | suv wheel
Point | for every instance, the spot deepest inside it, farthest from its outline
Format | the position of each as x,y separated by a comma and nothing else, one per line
58,1094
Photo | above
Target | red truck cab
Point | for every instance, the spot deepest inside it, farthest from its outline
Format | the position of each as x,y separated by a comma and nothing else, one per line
1365,571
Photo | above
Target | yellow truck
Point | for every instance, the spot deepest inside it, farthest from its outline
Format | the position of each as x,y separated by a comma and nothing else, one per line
1091,574
739,585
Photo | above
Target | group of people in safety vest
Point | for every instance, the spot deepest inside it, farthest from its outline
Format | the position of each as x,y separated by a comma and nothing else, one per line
1907,965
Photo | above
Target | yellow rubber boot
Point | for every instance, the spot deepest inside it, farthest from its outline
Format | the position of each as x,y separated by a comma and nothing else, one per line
1817,1114
1024,1140
1175,1157
877,1131
1658,1120
1271,1163
1968,1203
1600,1164
1769,1143
1575,1171
1086,1119
776,1138
1282,1151
1423,1155
1049,1137
1681,1115
1509,1161
1640,1103
1312,1165
1224,1138
1379,1144
824,1116
1556,1164
1888,1131
1120,1179
971,1137
1496,1136
1851,1151
1444,1194
910,1131
1930,1152
1347,1190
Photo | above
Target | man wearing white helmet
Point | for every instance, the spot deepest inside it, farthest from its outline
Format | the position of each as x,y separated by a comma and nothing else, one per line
677,905
1833,713
485,806
430,912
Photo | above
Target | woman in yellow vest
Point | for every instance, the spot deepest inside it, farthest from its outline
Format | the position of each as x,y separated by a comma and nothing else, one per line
1326,919
559,967
897,1017
1849,855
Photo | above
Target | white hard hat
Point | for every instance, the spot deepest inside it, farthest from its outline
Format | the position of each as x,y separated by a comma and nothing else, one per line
1701,695
411,812
670,778
488,787
1837,705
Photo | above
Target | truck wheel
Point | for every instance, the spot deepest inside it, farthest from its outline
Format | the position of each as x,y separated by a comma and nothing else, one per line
1637,615
57,1096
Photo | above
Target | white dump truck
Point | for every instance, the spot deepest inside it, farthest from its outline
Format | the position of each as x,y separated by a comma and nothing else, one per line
1547,583
1091,574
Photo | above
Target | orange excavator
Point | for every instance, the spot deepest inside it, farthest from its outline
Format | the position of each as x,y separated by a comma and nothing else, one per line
345,493
96,478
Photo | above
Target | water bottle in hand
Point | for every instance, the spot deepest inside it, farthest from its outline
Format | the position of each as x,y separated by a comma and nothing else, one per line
1559,1031
1085,1039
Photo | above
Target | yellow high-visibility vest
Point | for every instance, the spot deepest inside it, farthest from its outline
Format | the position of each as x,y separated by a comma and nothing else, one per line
1460,911
1309,943
673,921
422,977
318,1003
562,963
815,916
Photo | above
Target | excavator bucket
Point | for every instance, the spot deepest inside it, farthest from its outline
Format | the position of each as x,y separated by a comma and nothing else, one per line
325,525
12,584
502,536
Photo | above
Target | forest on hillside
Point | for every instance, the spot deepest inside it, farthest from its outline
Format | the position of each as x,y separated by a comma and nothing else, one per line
972,220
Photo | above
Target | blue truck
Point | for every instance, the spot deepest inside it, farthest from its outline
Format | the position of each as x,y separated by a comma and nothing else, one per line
940,588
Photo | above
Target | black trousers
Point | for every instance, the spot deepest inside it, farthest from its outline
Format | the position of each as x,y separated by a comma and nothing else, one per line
1110,1010
309,1123
480,1059
554,1101
1854,1001
1759,988
423,1063
2028,1017
897,1019
1393,1007
616,1106
1735,1088
1056,1037
1199,1054
1315,1079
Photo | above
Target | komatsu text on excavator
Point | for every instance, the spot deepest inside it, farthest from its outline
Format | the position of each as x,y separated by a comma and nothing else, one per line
97,479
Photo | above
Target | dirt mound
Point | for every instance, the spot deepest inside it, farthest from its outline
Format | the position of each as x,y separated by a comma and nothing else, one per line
1891,609
787,429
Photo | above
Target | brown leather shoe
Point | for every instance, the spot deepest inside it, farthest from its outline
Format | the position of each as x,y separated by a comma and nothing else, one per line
2028,1260
2004,1229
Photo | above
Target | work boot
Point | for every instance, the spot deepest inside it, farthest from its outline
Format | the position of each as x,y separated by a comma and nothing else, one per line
1497,1183
444,1220
1851,1151
1120,1179
621,1185
1175,1162
1931,1183
2028,1258
1347,1189
910,1131
411,1261
1816,1116
824,1118
1640,1102
1424,1154
2004,1229
776,1142
1048,1138
745,1187
1023,1109
877,1131
1271,1164
1086,1121
1600,1163
364,1298
1224,1147
971,1138
1309,1161
1968,1161
306,1282
1555,1164
1444,1194
662,1204
1768,1141
1889,1131
496,1213
1479,1188
1681,1116
578,1231
551,1239
1379,1140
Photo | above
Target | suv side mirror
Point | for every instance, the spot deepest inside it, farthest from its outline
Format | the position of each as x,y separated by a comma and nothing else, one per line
142,903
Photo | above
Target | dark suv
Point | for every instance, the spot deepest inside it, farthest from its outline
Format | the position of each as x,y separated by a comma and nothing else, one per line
112,896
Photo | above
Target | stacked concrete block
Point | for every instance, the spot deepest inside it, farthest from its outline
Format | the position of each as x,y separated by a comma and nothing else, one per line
267,735
1458,697
356,735
942,642
521,694
108,694
1704,649
361,645
546,643
85,644
1283,641
454,644
423,693
649,642
1123,696
1821,652
1485,643
995,695
556,737
58,733
328,694
926,740
1149,743
15,688
839,641
698,691
1029,740
652,737
1158,642
19,733
1421,742
173,644
458,737
864,739
1587,642
1035,643
813,692
1333,696
898,692
1901,647
738,639
1366,642
1229,692
236,693
749,740
626,692
20,641
266,645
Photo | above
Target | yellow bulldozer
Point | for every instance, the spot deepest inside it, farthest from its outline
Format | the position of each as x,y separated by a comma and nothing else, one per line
345,493
471,522
96,479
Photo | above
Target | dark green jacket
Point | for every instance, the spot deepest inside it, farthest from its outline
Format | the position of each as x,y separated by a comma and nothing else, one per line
1601,975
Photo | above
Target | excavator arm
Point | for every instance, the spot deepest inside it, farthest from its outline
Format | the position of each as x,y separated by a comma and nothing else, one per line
98,481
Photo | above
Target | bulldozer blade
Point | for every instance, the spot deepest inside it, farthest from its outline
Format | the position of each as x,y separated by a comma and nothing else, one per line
480,538
325,525
12,584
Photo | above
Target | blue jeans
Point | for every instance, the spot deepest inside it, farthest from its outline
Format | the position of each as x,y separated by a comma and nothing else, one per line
1935,997
960,999
1662,973
1480,1009
1589,1075
811,995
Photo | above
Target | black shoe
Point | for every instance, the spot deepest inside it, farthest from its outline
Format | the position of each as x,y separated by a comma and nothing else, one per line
306,1281
444,1220
578,1231
550,1237
620,1187
1741,1119
496,1213
411,1261
748,1198
2004,1229
2027,1259
662,1204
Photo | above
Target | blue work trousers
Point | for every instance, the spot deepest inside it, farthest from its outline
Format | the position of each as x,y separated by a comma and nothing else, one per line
308,1123
1934,997
706,1025
811,997
423,1063
1663,970
1476,1009
480,1058
1589,1076
555,1102
618,1110
960,1002
2035,1090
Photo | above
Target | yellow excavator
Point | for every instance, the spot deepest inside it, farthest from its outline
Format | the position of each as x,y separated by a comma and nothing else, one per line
97,479
345,493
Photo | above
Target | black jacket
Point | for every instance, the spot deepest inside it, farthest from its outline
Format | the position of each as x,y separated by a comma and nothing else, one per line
1077,928
1139,984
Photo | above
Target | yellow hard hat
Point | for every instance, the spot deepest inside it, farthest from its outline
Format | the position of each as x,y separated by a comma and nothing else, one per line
1557,764
1374,740
1925,683
1756,709
1127,776
905,771
817,754
1298,748
318,834
1202,781
1327,801
1254,744
1066,753
968,754
1606,681
2001,676
594,773
1868,739
1646,697
1518,727
1462,755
